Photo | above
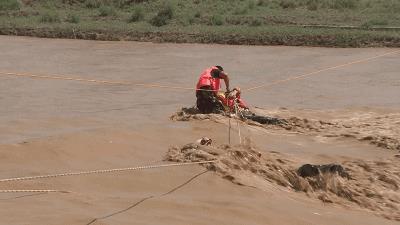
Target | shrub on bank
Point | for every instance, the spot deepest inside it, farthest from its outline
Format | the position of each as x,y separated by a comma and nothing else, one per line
262,2
163,16
107,11
255,22
137,15
312,5
72,18
217,20
9,5
240,10
92,4
288,4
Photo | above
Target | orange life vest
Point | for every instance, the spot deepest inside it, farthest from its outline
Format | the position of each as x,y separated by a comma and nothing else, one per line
207,80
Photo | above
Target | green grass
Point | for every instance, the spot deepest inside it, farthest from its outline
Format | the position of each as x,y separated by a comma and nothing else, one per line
262,20
50,17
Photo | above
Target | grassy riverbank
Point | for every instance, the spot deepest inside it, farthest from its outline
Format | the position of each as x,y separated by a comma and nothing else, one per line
342,23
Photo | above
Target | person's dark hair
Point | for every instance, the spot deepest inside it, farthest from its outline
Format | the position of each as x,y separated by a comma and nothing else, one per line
215,73
220,68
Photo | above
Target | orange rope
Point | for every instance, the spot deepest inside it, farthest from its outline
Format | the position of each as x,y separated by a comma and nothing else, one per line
57,77
319,71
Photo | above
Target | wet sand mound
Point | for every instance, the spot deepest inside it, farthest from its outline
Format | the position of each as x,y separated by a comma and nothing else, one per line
380,129
192,113
372,185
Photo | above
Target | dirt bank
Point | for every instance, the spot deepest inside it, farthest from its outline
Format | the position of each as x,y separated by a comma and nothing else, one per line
204,37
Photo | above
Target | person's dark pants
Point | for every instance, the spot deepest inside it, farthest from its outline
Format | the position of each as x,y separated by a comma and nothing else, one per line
207,102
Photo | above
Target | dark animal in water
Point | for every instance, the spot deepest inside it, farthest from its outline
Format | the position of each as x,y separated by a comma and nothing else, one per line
309,170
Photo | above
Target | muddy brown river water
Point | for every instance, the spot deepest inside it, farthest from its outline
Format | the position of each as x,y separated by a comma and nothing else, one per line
51,126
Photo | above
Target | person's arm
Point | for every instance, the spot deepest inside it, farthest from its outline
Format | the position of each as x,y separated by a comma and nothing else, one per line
225,77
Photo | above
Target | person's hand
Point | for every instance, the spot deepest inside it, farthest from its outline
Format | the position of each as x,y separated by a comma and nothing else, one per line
227,92
237,89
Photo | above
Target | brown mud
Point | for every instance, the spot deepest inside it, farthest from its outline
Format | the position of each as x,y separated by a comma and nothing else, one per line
382,130
373,185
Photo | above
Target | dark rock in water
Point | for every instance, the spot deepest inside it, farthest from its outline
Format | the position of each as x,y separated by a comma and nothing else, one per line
262,119
308,170
190,110
266,120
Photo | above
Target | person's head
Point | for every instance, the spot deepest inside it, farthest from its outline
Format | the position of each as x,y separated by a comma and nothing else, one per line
220,68
217,72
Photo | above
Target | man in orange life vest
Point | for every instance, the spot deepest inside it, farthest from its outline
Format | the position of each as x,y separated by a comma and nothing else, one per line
208,98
